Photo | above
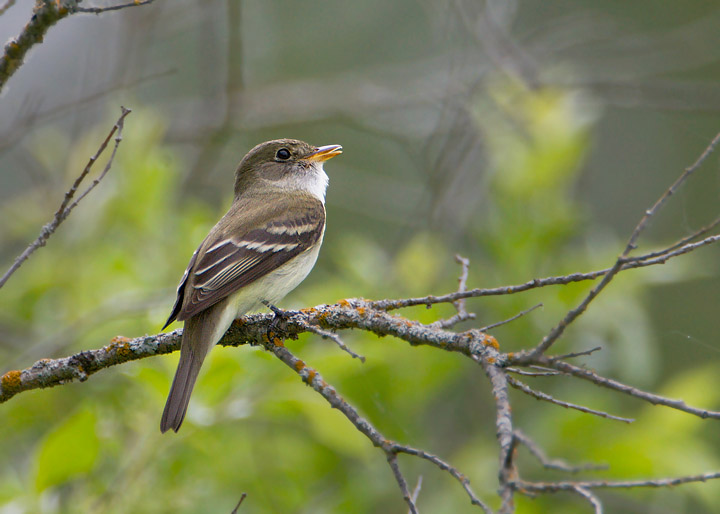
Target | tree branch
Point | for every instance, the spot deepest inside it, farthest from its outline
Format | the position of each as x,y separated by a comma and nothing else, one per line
373,316
66,207
46,14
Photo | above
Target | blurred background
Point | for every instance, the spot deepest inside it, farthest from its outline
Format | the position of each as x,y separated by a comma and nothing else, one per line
529,136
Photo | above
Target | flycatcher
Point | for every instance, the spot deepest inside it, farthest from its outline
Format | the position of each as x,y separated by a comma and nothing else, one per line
264,246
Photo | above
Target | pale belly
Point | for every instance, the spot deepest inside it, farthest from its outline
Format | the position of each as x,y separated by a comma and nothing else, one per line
274,286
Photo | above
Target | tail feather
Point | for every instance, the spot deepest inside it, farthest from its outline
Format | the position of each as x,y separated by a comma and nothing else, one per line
182,387
200,333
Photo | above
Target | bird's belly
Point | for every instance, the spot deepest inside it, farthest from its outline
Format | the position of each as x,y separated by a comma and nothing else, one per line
275,285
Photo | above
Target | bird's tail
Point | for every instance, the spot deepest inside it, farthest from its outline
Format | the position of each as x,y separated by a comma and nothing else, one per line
195,346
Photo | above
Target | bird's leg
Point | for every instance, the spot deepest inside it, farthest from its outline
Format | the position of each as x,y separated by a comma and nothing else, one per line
277,322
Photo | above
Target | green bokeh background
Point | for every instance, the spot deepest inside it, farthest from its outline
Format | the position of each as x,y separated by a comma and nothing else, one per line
447,150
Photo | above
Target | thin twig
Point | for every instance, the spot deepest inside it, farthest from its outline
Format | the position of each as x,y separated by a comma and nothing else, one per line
46,14
462,281
677,249
326,334
509,320
242,499
66,207
521,386
632,242
402,483
552,487
311,377
462,314
573,314
547,463
99,10
416,491
572,355
7,6
444,466
590,497
517,371
680,243
655,399
663,256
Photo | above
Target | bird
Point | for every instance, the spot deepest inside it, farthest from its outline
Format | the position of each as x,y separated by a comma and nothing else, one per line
259,251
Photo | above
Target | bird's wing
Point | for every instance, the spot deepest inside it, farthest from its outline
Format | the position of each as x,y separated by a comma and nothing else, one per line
242,248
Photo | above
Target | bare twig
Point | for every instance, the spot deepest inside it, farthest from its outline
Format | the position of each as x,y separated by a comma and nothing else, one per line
573,314
8,5
510,320
626,389
66,207
416,491
549,373
46,14
590,497
521,386
572,355
632,242
557,464
444,466
99,10
237,507
459,304
680,243
311,377
641,261
326,334
392,460
552,487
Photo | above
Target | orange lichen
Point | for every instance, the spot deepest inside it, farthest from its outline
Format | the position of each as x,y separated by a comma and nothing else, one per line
120,339
323,316
11,380
277,341
491,341
344,303
12,49
124,350
361,311
491,360
309,310
299,365
311,374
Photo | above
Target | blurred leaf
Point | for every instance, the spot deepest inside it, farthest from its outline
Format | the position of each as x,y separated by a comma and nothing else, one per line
68,451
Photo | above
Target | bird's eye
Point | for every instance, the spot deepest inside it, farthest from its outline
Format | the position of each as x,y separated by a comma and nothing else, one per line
283,154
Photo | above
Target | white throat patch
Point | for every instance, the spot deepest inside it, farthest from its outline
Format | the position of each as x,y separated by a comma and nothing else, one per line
313,181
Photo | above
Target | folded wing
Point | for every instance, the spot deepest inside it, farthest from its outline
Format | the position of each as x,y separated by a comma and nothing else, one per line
241,249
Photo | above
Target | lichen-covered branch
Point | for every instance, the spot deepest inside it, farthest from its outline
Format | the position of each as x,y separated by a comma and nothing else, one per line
46,14
475,344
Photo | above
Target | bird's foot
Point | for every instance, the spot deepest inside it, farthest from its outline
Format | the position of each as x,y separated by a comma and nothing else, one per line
277,326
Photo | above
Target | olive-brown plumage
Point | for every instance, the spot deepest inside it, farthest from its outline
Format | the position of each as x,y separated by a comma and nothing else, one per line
258,252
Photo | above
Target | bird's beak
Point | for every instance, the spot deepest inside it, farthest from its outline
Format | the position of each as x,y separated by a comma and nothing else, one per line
324,153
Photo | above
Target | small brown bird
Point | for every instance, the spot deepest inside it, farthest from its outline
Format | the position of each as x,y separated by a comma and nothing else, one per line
264,246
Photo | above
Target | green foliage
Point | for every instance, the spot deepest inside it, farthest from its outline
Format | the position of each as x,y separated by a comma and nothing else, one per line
68,452
252,425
